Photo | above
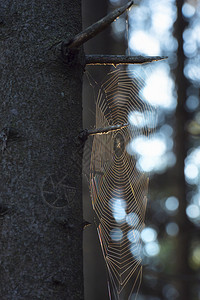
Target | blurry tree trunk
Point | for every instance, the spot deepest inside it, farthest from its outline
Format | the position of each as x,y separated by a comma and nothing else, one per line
40,178
103,43
183,240
94,266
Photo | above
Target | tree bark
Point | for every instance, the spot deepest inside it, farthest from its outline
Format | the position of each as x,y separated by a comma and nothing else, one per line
40,178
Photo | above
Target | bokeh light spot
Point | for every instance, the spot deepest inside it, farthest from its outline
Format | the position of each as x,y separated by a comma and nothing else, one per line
152,249
188,10
118,207
148,235
116,234
144,43
192,103
193,211
158,89
191,172
172,229
133,236
136,250
172,203
132,219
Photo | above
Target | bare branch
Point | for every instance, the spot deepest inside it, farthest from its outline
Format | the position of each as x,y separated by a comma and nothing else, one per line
96,28
106,130
83,135
120,59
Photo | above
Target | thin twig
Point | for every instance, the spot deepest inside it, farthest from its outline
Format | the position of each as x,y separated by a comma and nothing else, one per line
83,135
120,59
106,130
97,27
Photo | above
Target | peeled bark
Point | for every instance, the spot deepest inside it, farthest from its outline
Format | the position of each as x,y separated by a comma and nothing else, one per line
40,178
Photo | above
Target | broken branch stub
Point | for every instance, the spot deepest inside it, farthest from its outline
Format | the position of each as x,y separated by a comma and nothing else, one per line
96,28
120,59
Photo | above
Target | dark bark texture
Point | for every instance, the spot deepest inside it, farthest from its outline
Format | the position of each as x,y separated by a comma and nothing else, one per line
40,164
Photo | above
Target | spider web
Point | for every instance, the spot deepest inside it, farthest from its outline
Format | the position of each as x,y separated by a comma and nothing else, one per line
118,189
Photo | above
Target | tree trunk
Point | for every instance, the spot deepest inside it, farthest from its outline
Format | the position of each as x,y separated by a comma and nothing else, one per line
181,141
40,179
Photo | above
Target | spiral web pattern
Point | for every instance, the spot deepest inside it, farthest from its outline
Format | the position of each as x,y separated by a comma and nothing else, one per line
118,189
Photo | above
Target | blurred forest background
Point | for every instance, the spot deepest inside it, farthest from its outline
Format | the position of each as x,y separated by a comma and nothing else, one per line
171,244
